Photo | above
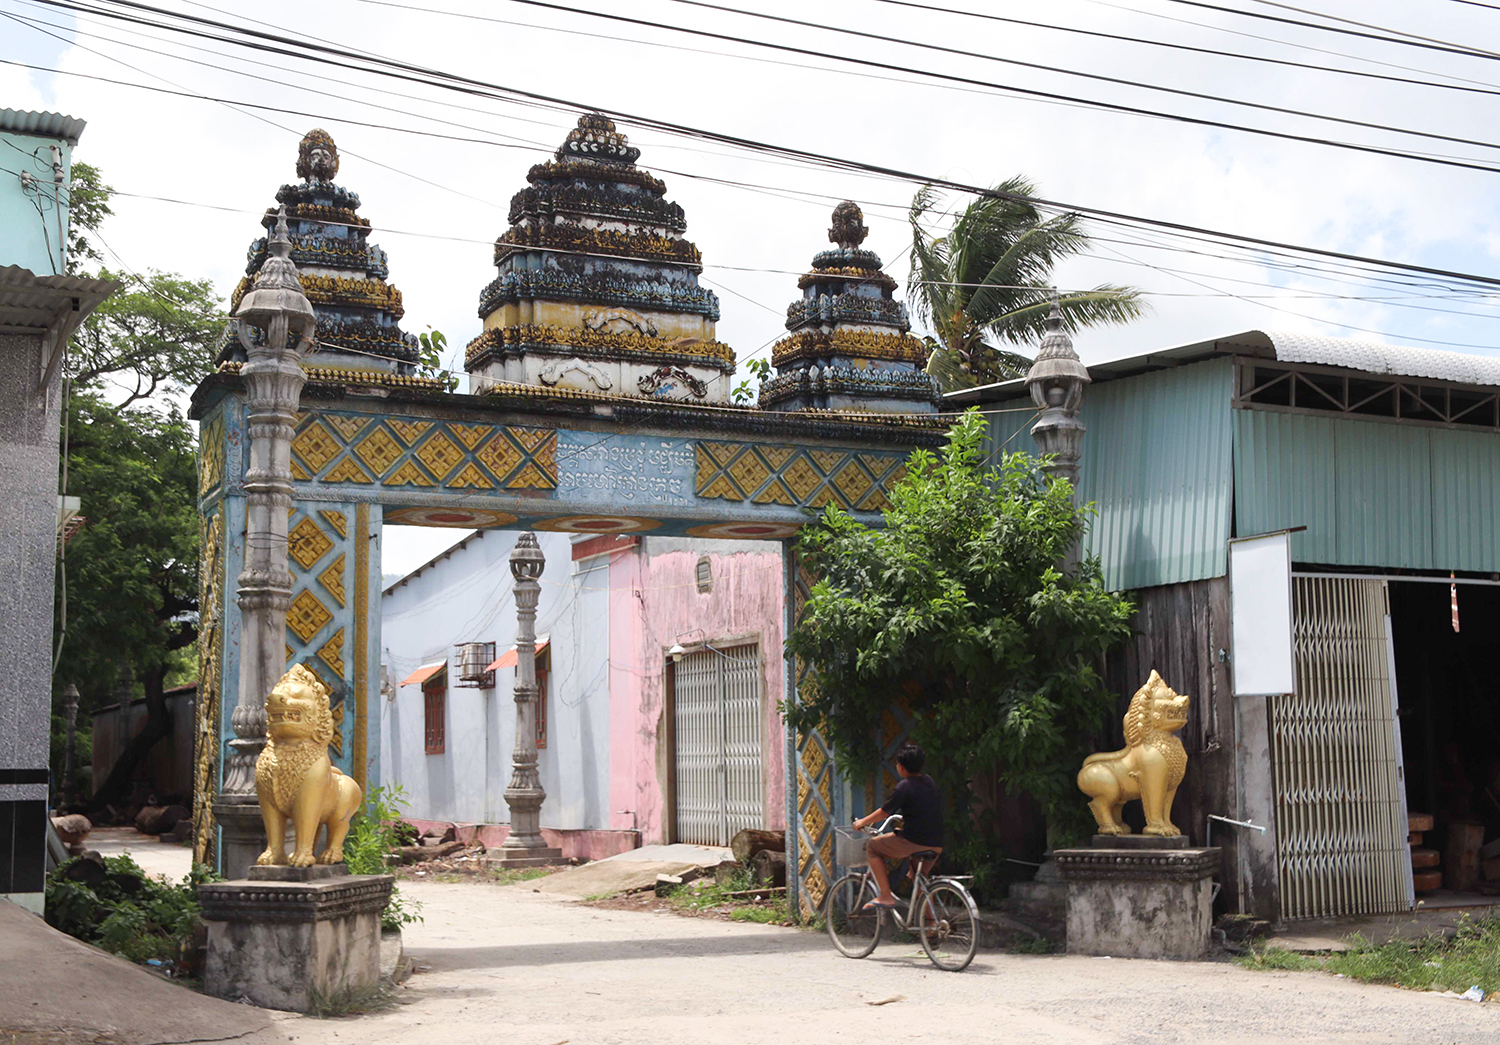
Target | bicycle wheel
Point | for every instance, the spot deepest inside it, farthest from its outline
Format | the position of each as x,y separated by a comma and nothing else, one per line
949,926
853,930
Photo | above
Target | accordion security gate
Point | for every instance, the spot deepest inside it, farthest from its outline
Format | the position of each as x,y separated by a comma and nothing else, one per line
1340,792
719,738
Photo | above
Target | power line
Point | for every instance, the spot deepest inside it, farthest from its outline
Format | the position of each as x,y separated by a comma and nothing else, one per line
1119,81
470,83
1404,39
1477,51
1211,51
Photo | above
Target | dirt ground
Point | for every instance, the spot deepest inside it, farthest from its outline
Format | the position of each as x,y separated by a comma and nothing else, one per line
544,970
503,961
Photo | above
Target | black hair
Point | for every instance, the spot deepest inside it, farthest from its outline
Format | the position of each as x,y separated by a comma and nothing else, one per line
911,758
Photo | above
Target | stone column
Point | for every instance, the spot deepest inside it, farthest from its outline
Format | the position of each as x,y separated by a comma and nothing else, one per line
1056,381
276,308
524,846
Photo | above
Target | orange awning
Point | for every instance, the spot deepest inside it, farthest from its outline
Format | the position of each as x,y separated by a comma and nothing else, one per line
509,658
425,672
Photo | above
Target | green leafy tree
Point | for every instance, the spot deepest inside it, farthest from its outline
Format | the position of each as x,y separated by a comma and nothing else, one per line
986,285
132,571
127,593
962,604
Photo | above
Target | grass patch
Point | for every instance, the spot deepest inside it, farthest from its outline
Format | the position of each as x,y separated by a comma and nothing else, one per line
705,894
1469,957
1276,959
512,875
1035,945
349,1001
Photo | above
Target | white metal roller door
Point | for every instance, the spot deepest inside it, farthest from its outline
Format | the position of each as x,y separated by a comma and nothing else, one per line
718,719
1340,797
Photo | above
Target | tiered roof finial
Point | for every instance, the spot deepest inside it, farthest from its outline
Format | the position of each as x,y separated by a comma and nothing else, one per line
849,345
343,275
597,288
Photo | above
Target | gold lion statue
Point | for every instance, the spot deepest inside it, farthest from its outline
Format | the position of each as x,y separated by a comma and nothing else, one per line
294,778
1150,768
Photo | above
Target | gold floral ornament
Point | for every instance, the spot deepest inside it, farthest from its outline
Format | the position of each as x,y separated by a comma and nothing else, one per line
1150,768
294,778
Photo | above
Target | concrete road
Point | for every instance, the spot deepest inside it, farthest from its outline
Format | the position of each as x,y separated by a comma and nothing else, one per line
506,964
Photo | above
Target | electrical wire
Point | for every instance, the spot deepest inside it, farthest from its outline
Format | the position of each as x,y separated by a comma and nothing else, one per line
1210,51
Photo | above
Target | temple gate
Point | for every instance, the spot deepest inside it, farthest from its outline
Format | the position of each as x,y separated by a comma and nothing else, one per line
600,406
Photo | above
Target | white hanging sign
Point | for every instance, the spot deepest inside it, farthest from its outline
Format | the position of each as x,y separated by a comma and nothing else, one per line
1260,600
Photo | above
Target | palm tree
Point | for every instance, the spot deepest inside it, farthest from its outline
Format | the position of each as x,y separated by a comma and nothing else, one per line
987,284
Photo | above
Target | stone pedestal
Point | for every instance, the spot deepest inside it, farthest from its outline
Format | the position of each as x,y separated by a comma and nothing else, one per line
288,936
1137,897
511,859
243,833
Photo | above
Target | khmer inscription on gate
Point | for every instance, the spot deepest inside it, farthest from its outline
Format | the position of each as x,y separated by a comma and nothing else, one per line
631,469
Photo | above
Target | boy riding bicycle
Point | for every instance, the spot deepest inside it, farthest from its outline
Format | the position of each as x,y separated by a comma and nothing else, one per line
916,799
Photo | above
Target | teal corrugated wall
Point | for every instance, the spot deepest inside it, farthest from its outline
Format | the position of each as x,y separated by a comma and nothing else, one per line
1370,493
1157,464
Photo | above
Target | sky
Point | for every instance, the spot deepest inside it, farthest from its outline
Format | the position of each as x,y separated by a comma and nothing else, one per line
438,203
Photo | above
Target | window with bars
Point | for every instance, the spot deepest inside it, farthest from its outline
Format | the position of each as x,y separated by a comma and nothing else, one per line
435,701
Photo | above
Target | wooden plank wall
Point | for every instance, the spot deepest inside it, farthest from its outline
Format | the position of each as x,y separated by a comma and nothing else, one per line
1180,629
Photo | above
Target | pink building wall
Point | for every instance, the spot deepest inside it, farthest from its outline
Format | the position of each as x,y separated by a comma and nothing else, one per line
654,604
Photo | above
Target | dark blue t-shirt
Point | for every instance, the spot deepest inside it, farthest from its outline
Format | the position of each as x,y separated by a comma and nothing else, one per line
916,799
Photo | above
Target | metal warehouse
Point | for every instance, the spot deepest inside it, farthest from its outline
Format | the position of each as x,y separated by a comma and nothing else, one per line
1363,481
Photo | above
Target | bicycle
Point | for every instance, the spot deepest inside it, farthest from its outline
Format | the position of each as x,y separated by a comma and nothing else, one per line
939,911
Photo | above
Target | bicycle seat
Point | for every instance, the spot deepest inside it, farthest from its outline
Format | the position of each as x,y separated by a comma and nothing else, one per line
922,855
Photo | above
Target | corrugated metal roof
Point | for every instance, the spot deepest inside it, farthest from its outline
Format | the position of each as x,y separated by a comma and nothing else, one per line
1372,357
33,302
42,124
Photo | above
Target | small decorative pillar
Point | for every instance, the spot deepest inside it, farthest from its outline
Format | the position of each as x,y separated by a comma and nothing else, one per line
524,846
276,307
1056,381
70,714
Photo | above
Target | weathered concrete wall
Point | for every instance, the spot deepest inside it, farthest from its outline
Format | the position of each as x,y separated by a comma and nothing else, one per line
28,548
1140,919
745,605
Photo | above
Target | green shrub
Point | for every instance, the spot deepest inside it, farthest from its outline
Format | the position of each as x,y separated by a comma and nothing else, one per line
125,911
373,837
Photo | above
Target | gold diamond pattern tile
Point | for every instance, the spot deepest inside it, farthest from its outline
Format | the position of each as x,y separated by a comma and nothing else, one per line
816,887
852,482
332,579
825,496
802,478
307,615
721,487
316,446
876,502
470,435
440,454
337,740
815,821
748,472
722,453
307,543
776,493
336,520
346,426
813,758
500,456
827,460
378,451
408,431
825,790
346,471
531,478
706,467
211,455
778,456
470,478
825,852
298,472
802,790
407,475
332,653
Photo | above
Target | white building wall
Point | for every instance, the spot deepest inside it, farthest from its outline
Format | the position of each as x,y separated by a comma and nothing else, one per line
466,596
